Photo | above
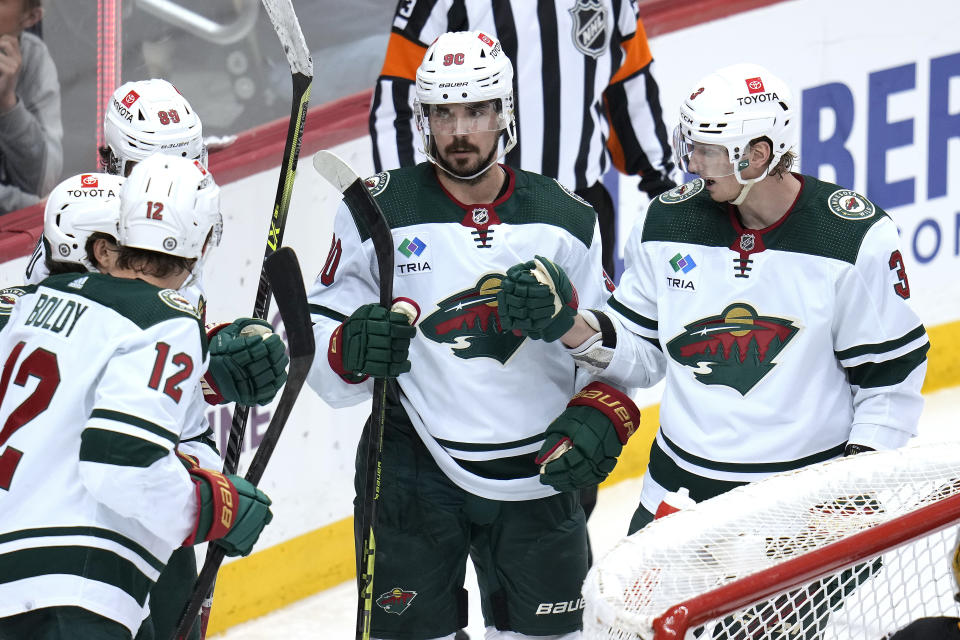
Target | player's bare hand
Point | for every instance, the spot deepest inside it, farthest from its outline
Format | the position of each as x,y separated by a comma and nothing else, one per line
10,63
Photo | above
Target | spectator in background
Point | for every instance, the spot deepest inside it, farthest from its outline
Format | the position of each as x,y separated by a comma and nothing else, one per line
585,94
31,155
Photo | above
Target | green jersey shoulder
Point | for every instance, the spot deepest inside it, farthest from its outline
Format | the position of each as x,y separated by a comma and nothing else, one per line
413,195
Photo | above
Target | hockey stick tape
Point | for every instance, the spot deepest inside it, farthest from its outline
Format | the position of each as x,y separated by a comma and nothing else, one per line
562,447
256,330
407,307
543,277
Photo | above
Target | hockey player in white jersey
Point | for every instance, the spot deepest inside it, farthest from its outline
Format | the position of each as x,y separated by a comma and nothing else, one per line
469,404
774,303
142,118
101,369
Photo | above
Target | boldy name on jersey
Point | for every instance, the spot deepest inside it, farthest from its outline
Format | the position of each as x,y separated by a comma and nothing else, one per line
55,314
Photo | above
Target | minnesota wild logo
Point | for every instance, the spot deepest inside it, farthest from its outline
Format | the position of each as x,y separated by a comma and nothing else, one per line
396,600
735,349
683,192
469,322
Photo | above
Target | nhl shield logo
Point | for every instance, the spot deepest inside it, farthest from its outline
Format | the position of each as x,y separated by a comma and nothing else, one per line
748,241
480,215
590,30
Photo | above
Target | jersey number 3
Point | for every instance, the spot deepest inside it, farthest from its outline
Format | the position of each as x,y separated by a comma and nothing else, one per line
41,364
902,286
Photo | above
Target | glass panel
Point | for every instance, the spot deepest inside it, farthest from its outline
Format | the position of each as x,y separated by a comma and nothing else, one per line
230,67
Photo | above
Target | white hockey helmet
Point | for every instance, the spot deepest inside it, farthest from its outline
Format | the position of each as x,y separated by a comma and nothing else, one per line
76,208
731,107
147,117
170,204
466,67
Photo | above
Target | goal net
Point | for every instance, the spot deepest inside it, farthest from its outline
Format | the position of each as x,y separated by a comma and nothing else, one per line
854,548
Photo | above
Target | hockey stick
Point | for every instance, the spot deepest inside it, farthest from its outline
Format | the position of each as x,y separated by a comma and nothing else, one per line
288,30
367,211
283,271
287,26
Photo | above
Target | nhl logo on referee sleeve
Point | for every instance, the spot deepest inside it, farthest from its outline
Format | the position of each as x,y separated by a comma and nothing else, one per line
850,205
590,29
683,192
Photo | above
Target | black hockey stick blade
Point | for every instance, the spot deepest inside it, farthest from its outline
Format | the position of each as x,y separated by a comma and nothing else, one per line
365,209
366,212
283,269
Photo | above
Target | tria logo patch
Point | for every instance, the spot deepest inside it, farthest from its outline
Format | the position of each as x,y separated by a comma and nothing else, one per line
754,85
735,348
415,251
411,248
468,321
396,600
682,263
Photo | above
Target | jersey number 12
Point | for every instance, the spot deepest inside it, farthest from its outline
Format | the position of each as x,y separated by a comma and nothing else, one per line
41,364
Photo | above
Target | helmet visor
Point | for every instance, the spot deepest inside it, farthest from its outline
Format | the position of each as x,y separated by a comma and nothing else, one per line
460,119
700,158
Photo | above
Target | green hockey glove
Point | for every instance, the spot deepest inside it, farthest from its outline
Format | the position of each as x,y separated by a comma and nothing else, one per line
582,444
248,363
371,342
537,299
232,512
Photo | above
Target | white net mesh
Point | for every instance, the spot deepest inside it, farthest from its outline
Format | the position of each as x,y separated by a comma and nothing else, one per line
770,522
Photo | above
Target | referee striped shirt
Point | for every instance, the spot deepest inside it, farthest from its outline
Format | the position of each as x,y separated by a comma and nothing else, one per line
583,87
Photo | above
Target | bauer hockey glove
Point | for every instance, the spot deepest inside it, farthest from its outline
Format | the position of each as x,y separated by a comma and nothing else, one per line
248,363
232,512
371,342
537,299
582,444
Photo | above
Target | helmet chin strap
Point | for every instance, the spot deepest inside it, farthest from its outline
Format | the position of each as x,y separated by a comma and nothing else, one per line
457,176
744,190
501,153
747,183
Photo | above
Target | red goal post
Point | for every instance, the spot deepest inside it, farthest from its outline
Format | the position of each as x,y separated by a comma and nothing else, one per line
852,548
